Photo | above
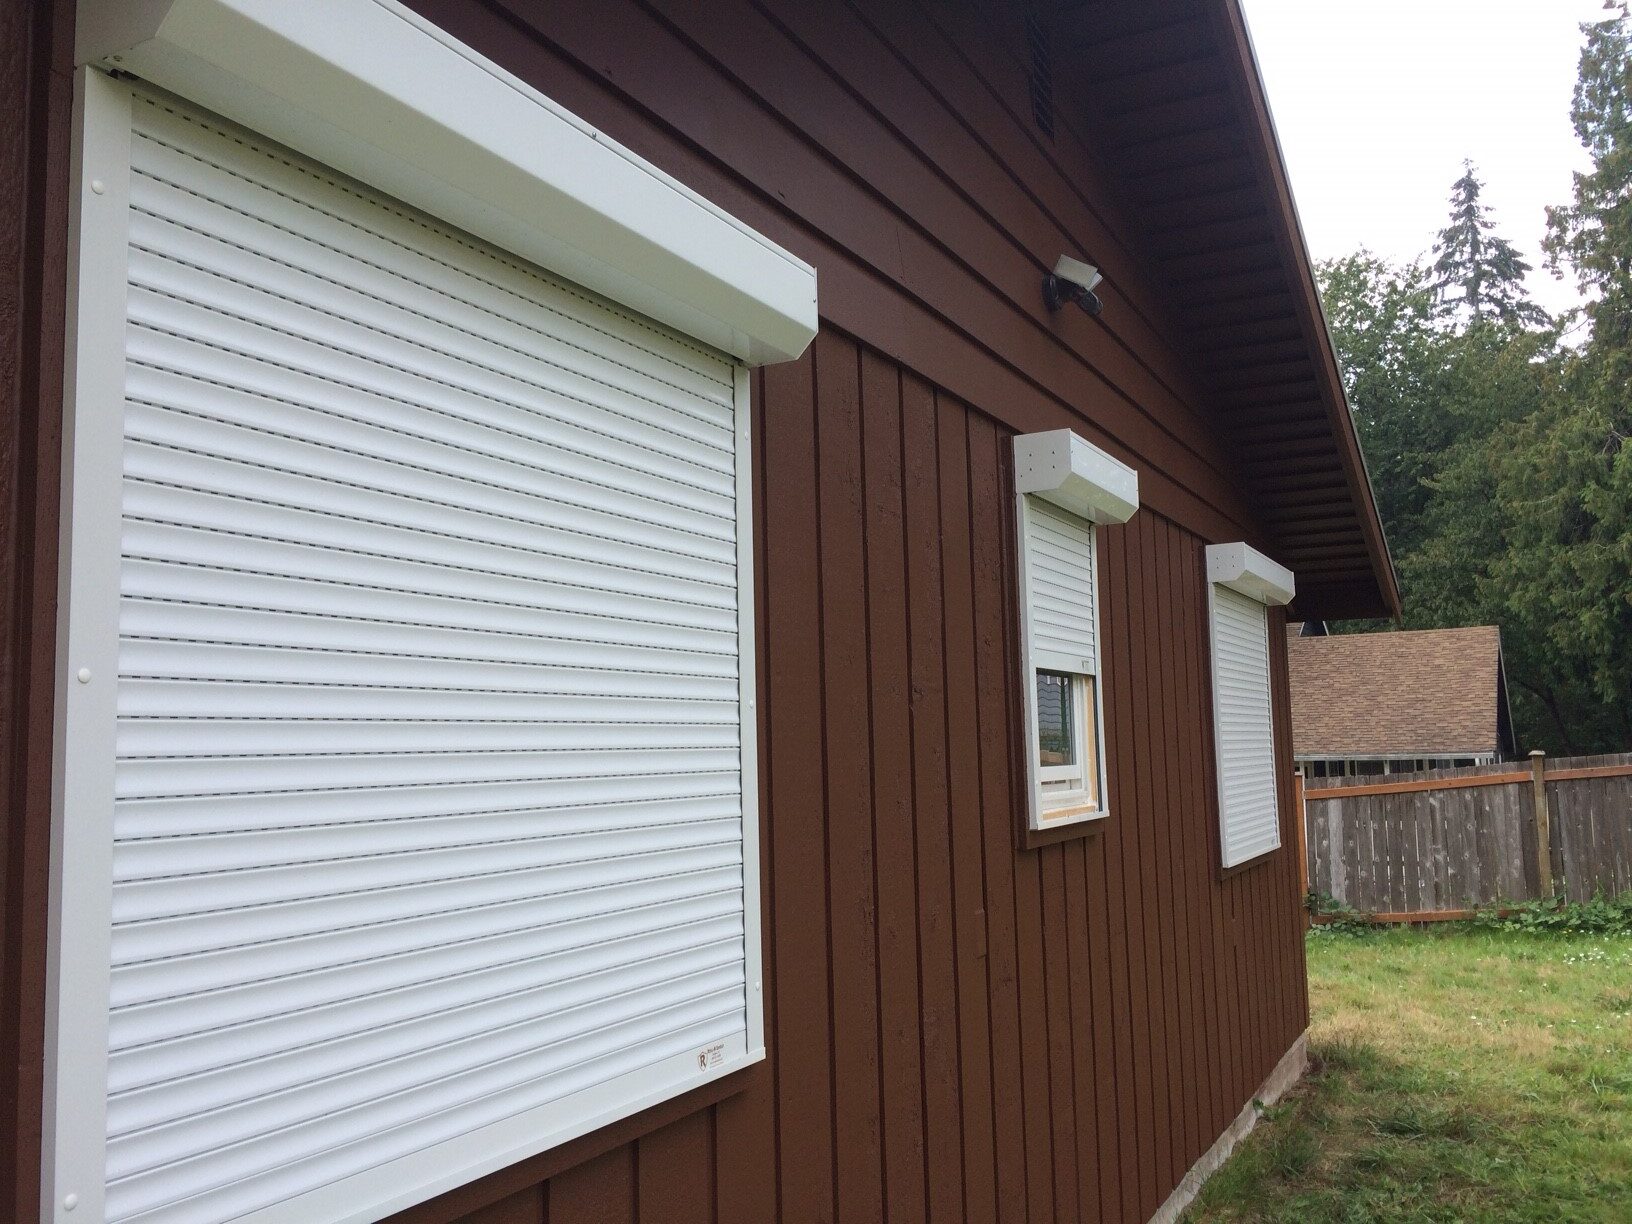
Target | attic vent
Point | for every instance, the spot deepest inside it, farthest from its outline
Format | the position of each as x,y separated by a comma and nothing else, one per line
1040,74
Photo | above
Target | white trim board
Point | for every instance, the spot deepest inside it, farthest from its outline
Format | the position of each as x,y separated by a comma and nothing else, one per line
379,93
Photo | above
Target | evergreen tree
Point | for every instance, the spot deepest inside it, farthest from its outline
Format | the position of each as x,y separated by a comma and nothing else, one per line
1391,354
1501,458
1479,275
1593,234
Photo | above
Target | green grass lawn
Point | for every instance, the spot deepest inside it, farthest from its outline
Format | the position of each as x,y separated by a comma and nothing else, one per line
1457,1073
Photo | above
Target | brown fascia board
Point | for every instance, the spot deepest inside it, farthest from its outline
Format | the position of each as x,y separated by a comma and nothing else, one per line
1242,63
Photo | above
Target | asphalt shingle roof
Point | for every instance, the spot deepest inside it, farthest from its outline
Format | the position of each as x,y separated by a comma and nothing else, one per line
1373,694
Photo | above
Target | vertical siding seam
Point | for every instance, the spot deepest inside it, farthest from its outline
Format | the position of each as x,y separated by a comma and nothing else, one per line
1069,1007
980,790
872,782
1007,1095
1160,849
1130,1178
634,1181
826,799
1177,810
1144,850
912,797
1162,845
946,770
1118,1026
713,1164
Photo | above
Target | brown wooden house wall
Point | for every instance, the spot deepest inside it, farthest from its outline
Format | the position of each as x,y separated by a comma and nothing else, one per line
958,1030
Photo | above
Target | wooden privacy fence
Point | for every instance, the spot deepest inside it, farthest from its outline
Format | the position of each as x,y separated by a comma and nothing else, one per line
1443,842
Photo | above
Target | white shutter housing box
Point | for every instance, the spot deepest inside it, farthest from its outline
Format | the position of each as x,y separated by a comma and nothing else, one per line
1075,475
375,91
1244,569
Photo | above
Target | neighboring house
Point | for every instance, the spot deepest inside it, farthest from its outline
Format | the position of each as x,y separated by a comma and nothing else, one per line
581,641
1372,703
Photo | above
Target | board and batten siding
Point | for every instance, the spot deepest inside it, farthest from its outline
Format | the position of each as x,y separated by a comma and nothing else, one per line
1048,1035
967,1032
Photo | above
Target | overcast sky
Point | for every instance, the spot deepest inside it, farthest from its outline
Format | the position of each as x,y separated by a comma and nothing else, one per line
1378,101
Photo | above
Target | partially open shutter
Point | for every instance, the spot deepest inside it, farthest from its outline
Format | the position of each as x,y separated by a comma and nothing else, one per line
429,791
1060,573
1245,736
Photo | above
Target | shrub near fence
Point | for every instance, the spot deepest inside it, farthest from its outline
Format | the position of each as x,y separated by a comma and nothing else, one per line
1448,840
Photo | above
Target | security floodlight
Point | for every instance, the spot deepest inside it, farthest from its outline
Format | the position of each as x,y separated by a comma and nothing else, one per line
1073,281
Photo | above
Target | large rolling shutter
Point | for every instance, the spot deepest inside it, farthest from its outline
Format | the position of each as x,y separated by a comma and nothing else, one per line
429,785
1060,577
1245,736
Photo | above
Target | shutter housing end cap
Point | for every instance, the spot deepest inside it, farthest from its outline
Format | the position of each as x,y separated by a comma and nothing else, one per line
1243,568
1059,466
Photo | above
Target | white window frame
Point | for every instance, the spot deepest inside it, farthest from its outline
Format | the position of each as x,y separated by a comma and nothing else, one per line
344,65
1247,572
1080,803
1079,478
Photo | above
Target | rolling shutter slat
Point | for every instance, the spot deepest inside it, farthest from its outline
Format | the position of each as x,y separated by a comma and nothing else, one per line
278,200
145,1012
1246,747
217,1050
428,800
1060,574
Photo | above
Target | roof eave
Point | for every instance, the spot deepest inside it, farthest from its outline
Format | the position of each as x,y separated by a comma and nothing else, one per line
1343,600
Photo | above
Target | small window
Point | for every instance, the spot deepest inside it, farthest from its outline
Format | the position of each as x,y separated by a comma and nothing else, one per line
1243,582
1062,647
1067,743
1064,485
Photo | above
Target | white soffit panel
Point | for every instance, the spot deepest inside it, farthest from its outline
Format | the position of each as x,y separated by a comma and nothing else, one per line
1244,569
372,89
1075,475
429,741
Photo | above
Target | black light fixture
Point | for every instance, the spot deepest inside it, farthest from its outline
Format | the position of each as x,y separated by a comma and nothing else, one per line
1073,281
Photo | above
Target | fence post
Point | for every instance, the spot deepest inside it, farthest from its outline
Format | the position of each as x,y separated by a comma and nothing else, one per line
1302,811
1544,833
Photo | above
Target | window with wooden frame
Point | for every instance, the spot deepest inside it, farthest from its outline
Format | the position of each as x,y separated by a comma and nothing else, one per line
1065,487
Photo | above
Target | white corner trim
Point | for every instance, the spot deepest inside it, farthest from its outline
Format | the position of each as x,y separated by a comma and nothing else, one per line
1075,475
1287,1072
379,93
1243,568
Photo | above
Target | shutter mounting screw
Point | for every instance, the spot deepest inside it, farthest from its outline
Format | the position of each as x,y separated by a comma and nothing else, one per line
84,675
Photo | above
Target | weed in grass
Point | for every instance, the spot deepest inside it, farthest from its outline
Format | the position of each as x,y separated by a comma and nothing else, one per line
1419,1120
1617,1002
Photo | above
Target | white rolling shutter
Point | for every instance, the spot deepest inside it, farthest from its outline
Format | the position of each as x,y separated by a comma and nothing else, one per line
1245,743
1059,559
428,832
